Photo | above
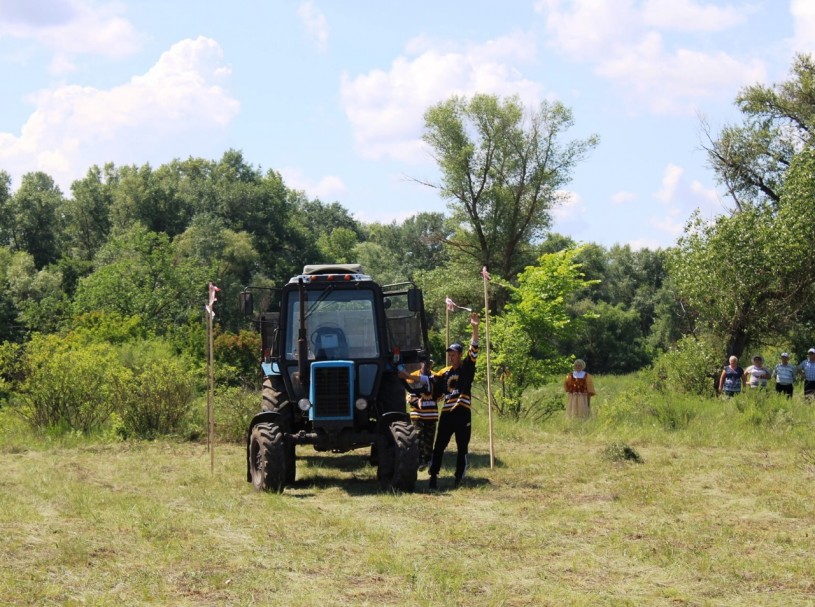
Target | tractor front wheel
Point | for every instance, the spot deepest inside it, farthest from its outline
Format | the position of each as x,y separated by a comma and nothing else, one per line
398,457
268,458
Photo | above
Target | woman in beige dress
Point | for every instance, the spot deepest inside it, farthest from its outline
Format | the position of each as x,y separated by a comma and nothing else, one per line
580,388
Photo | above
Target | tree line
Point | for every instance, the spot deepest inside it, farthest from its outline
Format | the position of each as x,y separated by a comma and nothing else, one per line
126,254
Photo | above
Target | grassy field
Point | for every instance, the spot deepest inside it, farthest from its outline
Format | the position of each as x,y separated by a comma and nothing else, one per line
721,511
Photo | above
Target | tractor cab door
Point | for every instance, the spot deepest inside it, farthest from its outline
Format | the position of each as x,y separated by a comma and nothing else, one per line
406,322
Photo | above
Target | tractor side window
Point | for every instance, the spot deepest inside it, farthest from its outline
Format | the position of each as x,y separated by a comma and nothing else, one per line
404,326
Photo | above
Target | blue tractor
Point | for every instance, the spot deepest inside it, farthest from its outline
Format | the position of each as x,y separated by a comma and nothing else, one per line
333,345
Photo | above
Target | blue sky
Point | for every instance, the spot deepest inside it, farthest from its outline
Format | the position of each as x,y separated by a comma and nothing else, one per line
331,93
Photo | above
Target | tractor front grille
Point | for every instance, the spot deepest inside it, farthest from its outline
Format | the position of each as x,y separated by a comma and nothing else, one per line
332,394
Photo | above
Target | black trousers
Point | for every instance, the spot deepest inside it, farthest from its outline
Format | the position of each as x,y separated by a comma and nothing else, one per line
785,388
809,388
457,422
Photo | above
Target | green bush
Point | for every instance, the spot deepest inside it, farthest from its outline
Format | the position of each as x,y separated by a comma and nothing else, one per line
761,408
234,409
69,388
236,358
11,367
672,414
159,399
691,368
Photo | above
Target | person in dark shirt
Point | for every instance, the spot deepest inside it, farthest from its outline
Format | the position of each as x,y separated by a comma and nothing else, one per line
731,378
455,385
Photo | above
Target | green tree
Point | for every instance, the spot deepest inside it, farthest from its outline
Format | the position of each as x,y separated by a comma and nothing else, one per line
36,295
87,213
6,211
609,338
337,246
536,320
10,329
137,273
151,198
416,244
751,159
503,169
381,263
747,278
33,218
721,273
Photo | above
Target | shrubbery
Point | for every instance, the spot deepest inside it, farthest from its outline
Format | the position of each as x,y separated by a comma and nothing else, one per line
234,409
159,399
71,388
691,367
66,383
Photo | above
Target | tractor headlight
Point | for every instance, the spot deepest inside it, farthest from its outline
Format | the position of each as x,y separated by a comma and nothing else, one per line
361,404
304,404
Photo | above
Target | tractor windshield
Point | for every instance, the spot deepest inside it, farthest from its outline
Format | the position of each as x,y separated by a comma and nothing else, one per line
340,324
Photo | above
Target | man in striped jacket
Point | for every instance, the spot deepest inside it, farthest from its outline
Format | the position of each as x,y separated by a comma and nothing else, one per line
455,385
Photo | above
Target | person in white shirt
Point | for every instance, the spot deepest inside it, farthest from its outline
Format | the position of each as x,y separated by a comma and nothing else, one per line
784,374
756,375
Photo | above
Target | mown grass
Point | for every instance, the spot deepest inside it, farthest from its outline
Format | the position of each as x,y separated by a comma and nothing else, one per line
719,512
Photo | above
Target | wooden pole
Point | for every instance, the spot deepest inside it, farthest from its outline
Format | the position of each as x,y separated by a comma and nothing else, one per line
484,275
211,395
210,308
447,335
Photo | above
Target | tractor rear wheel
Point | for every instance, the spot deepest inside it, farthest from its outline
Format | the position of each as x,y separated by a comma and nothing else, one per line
275,399
398,457
267,458
273,394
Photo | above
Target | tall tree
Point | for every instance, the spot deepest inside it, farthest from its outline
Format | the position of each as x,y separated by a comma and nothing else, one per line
537,320
87,213
33,219
138,273
747,278
752,158
503,169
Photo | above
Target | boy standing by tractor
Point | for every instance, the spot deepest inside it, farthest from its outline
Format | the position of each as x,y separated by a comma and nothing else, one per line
424,414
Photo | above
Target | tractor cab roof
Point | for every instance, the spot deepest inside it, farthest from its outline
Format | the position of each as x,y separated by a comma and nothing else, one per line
332,273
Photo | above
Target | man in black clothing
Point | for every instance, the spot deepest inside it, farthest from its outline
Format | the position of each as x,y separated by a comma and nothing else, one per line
455,384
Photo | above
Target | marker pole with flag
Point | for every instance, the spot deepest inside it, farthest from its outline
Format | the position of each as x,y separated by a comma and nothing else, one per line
210,308
450,306
486,276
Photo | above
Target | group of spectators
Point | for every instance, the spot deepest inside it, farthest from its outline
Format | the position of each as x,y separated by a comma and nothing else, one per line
757,376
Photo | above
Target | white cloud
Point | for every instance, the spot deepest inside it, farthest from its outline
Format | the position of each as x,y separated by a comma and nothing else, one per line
625,44
803,15
326,188
708,197
386,108
686,15
670,182
623,197
671,222
315,22
676,83
178,101
679,199
571,208
590,28
645,243
70,28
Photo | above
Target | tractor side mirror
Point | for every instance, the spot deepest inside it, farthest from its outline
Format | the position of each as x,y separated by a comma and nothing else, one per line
415,300
247,304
